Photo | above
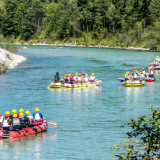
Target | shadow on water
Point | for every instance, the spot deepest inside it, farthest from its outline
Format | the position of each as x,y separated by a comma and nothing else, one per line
98,61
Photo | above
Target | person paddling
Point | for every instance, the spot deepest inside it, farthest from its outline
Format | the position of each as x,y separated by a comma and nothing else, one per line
20,111
15,122
56,78
92,78
24,120
37,116
5,123
30,116
13,112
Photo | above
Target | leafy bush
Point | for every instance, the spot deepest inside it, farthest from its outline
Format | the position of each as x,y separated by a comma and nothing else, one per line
144,138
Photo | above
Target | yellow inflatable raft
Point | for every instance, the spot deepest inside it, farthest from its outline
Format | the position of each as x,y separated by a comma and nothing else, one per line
75,85
133,83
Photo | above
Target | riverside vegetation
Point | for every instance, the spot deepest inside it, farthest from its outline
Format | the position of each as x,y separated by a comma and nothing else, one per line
144,138
122,23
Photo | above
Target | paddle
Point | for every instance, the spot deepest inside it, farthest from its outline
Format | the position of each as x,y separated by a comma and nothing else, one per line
53,124
157,74
121,79
48,87
150,80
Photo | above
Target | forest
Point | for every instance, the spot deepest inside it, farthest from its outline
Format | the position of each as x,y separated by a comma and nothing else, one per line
88,22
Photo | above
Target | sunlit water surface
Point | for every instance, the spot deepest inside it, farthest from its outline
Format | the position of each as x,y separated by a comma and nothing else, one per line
88,119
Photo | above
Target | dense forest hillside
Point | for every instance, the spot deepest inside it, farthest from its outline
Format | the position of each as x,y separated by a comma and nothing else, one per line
89,22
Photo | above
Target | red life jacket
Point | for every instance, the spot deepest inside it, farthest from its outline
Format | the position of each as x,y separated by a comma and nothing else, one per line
71,79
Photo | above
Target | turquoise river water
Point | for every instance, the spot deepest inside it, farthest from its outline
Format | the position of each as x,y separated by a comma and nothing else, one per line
88,119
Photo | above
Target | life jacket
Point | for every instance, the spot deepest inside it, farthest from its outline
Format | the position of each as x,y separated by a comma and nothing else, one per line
92,78
144,72
71,79
86,79
30,116
135,75
5,123
66,80
140,78
37,116
152,72
55,79
16,122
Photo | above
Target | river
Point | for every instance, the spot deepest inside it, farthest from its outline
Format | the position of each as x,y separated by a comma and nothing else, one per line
88,119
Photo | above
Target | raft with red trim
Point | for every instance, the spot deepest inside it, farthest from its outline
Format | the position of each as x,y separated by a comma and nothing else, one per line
38,127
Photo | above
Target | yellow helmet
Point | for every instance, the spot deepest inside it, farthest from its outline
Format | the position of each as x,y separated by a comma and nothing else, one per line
7,113
21,114
157,56
21,110
14,115
139,74
92,74
126,74
156,59
14,111
37,110
76,74
69,74
27,112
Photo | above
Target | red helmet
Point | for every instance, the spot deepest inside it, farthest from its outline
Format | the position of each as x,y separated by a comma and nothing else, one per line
6,115
79,74
72,75
135,68
142,69
83,73
134,71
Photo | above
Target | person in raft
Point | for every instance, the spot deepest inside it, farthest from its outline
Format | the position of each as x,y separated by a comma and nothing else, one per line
56,78
126,77
20,111
37,116
30,116
92,78
24,120
15,122
13,112
5,123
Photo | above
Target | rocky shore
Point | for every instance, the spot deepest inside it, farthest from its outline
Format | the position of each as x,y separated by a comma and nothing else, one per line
90,46
9,60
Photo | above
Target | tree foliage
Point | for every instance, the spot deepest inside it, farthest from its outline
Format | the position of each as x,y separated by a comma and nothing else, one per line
64,19
144,138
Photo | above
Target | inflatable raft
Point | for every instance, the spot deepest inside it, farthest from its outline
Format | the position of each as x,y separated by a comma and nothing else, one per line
75,85
157,67
134,83
150,79
37,128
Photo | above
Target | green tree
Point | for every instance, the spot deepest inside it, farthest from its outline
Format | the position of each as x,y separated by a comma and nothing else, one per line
8,17
19,18
147,143
154,9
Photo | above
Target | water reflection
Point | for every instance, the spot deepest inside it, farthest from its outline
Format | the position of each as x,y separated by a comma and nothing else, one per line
31,145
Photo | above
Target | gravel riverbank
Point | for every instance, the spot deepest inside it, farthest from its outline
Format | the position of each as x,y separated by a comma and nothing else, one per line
9,60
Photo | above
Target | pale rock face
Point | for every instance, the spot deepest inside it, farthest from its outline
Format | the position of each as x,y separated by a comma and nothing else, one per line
10,59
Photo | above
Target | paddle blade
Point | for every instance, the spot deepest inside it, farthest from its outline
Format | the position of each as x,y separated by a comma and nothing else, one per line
120,79
53,124
150,80
48,87
151,64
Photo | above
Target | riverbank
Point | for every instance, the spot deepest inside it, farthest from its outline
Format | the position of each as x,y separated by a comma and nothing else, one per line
89,46
9,60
